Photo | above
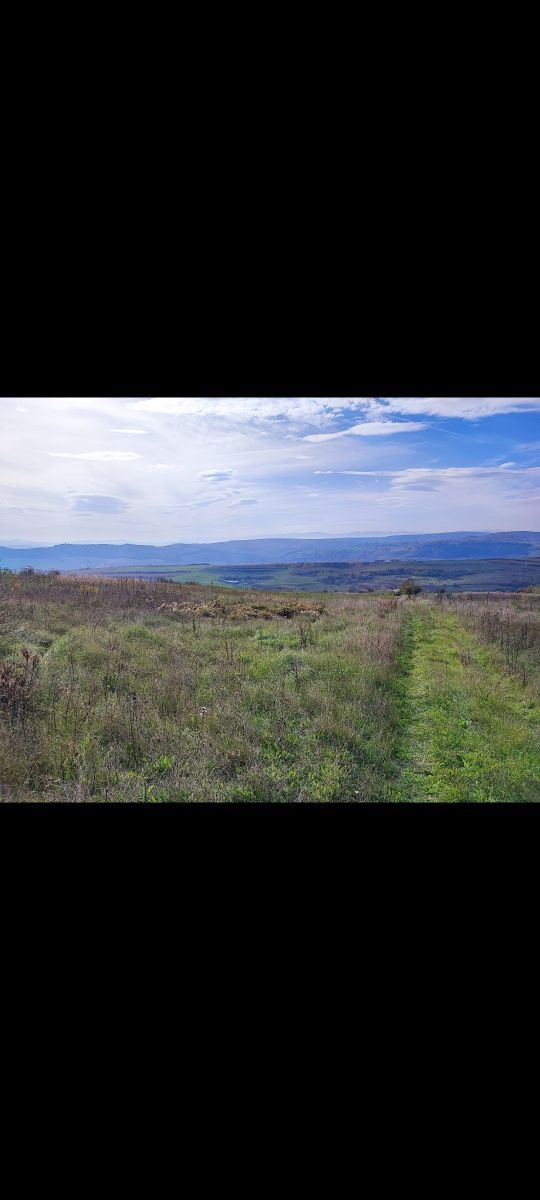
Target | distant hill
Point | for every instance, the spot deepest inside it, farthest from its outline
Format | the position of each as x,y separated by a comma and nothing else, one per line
469,575
427,547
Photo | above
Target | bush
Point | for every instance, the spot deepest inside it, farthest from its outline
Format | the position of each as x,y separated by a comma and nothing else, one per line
17,684
410,587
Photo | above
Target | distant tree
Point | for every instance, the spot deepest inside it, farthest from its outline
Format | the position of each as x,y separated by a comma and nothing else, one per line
410,587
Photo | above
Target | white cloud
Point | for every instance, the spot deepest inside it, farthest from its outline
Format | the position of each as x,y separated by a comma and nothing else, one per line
468,408
98,455
216,476
323,411
131,431
369,429
304,410
204,503
171,494
88,505
414,474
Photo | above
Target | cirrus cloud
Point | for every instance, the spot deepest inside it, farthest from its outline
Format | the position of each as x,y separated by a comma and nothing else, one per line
466,408
369,429
255,448
98,455
88,505
130,431
216,476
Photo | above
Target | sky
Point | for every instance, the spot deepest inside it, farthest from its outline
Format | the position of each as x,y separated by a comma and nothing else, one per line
199,470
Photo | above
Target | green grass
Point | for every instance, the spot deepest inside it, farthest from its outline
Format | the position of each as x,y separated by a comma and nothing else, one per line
457,575
157,692
213,699
472,731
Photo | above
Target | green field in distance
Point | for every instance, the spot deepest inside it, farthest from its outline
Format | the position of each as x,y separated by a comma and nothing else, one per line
461,575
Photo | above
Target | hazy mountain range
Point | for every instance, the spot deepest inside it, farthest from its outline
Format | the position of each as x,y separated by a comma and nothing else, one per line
420,547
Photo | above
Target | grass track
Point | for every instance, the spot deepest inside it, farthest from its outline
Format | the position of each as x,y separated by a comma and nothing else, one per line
473,732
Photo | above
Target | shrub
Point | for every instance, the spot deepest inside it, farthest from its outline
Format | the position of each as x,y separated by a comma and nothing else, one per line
410,587
17,685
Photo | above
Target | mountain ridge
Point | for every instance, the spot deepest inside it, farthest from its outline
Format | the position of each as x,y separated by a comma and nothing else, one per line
427,547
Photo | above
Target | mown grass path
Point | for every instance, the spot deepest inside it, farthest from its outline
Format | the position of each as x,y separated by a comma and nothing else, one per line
472,731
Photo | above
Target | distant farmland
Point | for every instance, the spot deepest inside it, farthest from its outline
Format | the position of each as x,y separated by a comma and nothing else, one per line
472,575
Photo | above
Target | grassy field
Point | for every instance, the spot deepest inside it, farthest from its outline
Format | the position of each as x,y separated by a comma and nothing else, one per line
133,690
468,574
471,729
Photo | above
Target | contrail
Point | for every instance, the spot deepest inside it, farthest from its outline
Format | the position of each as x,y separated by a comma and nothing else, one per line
432,425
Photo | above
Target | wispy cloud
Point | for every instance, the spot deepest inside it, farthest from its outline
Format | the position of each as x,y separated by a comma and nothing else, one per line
200,457
130,431
98,455
369,429
466,408
216,476
87,505
295,409
414,473
204,503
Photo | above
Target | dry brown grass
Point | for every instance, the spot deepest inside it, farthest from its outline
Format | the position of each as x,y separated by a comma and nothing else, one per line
510,625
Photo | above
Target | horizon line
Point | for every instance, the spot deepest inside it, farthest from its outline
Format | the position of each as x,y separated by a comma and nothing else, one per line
280,537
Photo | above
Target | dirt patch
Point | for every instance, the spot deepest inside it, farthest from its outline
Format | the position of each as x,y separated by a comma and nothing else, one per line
241,611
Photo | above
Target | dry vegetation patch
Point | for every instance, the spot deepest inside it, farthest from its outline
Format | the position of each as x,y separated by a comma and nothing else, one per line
510,627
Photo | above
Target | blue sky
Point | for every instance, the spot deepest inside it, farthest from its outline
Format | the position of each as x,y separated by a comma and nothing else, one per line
164,470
